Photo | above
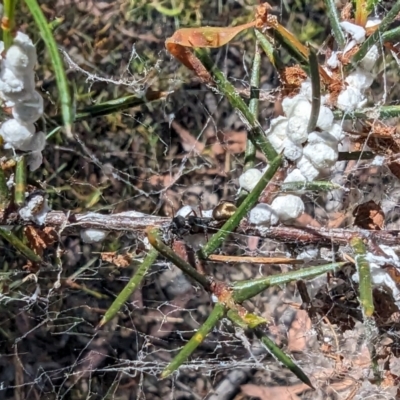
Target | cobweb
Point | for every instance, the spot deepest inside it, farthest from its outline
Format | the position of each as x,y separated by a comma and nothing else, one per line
154,159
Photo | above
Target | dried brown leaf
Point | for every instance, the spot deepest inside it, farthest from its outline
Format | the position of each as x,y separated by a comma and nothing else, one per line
39,240
119,260
297,338
369,215
273,393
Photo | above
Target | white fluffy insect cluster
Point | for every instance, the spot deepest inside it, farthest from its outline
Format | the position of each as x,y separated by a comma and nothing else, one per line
92,235
17,90
249,179
312,152
353,95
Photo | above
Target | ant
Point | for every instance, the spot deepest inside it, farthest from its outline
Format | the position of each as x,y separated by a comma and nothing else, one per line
191,224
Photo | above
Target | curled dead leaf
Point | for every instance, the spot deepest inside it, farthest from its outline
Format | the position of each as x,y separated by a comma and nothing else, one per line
182,40
369,215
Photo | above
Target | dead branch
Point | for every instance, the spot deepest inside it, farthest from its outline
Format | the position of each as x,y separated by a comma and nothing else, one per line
133,221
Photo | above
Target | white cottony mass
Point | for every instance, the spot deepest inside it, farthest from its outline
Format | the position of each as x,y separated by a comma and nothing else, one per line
263,214
93,235
288,207
17,90
249,179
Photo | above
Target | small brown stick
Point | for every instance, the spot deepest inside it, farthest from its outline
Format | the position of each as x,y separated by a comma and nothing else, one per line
273,186
253,260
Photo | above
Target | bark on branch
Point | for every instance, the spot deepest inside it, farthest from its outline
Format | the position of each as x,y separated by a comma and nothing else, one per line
133,221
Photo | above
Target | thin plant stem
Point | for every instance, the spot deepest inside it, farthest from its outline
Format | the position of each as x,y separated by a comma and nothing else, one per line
157,243
333,16
255,131
370,113
20,181
393,34
259,327
8,23
130,287
113,387
254,261
387,112
313,186
250,153
269,50
116,105
315,89
83,288
216,240
371,338
61,78
4,191
19,245
290,42
275,351
366,300
364,273
215,316
245,290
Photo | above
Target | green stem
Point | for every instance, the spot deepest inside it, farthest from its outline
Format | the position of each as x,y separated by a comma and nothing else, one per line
217,239
259,329
277,353
216,314
375,37
364,273
333,16
61,78
245,290
370,113
20,181
270,51
366,300
130,287
316,90
291,49
387,111
250,154
156,242
19,245
4,192
390,36
8,23
116,105
314,186
255,131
